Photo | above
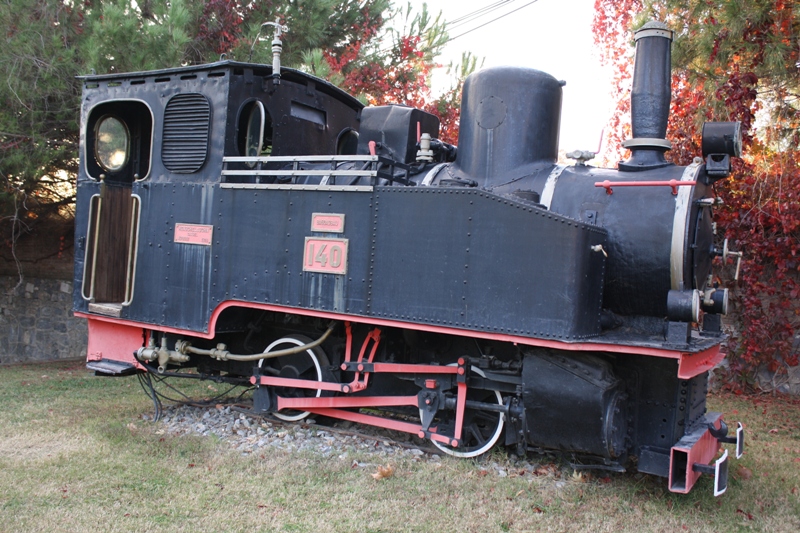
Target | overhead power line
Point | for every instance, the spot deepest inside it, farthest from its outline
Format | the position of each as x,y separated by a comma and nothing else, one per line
478,13
489,22
474,16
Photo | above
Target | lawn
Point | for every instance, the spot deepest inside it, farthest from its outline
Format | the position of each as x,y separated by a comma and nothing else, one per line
76,455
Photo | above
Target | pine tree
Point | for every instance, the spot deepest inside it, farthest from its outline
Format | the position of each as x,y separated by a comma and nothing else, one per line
39,122
49,42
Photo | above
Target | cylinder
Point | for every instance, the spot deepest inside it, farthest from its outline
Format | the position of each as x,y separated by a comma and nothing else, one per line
574,404
509,123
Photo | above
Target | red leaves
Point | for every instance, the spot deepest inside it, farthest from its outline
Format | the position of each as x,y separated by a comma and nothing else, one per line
739,94
759,217
611,25
401,77
221,24
717,42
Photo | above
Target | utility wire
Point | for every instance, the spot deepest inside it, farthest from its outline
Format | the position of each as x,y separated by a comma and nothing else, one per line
474,16
487,23
459,21
467,18
479,10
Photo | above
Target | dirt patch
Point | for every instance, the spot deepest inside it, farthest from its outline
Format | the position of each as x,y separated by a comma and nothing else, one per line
34,447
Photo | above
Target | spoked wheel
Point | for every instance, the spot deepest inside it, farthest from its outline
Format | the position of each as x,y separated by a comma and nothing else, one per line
481,429
309,364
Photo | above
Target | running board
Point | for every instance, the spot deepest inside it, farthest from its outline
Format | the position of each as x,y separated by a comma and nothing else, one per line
109,367
107,309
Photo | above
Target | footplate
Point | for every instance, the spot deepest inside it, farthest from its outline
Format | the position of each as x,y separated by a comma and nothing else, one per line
110,367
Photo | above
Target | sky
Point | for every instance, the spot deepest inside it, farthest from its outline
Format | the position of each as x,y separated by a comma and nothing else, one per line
553,36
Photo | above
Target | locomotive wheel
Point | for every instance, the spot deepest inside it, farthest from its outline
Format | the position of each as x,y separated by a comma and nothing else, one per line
309,364
481,430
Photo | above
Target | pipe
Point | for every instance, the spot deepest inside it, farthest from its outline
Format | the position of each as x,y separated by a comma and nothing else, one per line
222,354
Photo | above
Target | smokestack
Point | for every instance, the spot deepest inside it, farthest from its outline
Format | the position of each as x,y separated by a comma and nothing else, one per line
650,98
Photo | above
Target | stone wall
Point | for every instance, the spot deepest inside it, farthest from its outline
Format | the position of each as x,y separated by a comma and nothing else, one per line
36,322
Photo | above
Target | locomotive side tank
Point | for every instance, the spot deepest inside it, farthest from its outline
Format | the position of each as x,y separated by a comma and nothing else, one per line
257,226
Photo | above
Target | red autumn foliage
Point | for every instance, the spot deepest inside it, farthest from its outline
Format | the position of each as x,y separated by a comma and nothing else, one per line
401,78
221,25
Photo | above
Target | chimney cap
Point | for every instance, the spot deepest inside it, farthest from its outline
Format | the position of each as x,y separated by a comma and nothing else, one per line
653,28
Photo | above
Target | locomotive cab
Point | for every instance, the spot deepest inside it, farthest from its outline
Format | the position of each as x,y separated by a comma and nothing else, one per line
143,132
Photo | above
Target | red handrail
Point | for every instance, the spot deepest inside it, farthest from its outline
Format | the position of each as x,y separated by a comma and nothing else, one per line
671,183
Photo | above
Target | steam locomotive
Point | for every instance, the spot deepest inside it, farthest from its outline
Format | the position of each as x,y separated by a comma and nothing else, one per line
256,225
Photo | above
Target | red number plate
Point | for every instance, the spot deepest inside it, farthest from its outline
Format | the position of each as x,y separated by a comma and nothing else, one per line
327,222
193,234
325,255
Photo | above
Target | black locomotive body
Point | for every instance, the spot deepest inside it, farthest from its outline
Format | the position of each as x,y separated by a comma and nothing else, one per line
257,225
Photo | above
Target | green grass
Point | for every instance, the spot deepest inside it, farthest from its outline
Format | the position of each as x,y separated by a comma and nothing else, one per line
75,455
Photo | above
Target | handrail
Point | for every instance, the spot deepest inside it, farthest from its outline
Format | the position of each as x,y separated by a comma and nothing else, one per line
372,167
298,158
299,172
607,185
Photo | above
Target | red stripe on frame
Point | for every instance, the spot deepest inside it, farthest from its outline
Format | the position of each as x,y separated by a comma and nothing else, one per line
687,360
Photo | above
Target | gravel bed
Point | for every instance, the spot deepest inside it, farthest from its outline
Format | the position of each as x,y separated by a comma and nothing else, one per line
249,434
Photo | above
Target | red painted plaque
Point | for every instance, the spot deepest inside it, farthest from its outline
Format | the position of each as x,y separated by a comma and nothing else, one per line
194,234
327,222
325,255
